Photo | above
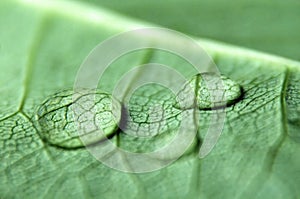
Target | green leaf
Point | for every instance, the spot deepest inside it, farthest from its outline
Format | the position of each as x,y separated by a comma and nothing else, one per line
41,49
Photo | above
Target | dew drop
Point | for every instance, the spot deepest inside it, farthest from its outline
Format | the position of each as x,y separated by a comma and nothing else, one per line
208,91
71,119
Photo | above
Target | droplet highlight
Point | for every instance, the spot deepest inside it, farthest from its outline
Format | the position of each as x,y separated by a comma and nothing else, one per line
71,119
208,91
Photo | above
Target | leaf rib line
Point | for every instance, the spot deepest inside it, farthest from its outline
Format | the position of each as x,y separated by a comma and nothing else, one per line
145,60
141,189
40,137
284,120
264,174
37,38
8,116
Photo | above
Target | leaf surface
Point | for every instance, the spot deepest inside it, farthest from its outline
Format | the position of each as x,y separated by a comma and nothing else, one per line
257,155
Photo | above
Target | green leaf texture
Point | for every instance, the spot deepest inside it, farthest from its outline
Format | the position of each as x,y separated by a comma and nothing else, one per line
42,45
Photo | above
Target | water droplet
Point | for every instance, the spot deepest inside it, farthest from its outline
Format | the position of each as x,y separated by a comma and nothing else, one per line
72,119
207,91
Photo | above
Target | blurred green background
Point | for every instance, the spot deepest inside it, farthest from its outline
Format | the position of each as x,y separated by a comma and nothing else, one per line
272,26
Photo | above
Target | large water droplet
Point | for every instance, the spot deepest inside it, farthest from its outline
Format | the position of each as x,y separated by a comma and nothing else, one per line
208,91
73,119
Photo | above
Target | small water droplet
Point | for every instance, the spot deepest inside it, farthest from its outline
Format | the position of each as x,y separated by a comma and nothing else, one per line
72,119
207,91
